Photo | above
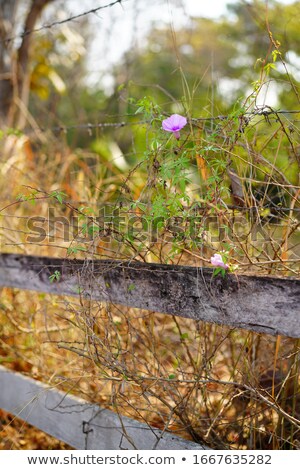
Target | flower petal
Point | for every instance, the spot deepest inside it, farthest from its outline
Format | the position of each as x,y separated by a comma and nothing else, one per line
174,123
178,121
167,126
217,260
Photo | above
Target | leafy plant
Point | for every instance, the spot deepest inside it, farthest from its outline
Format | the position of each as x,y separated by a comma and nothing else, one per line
55,277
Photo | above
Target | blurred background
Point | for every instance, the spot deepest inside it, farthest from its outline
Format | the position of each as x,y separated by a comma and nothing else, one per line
219,45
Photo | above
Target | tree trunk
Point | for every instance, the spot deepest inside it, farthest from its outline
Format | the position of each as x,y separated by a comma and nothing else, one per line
7,27
14,70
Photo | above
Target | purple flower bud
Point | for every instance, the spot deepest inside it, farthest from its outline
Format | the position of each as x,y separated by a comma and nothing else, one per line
174,123
217,260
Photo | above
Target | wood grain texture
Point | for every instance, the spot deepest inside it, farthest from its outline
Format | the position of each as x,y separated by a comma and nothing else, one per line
80,424
262,304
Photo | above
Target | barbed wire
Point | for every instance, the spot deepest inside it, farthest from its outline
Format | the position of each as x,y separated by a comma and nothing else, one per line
60,22
88,126
258,111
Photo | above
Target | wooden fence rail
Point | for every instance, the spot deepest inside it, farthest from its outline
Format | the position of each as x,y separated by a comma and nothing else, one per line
80,424
262,304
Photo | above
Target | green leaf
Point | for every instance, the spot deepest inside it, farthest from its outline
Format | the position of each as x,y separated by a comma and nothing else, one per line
140,110
75,249
121,87
55,276
275,54
182,185
59,195
93,229
217,271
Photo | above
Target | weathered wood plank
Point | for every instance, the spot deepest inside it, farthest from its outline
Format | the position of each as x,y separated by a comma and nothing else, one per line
80,424
263,304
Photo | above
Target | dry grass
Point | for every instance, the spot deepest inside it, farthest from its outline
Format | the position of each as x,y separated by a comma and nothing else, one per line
233,388
15,434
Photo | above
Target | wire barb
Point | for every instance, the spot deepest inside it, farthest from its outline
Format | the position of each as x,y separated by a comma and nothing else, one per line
57,23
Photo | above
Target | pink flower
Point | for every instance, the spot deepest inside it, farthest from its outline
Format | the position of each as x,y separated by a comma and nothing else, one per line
217,260
173,124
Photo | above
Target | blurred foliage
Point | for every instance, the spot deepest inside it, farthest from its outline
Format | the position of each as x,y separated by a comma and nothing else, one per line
220,59
207,68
